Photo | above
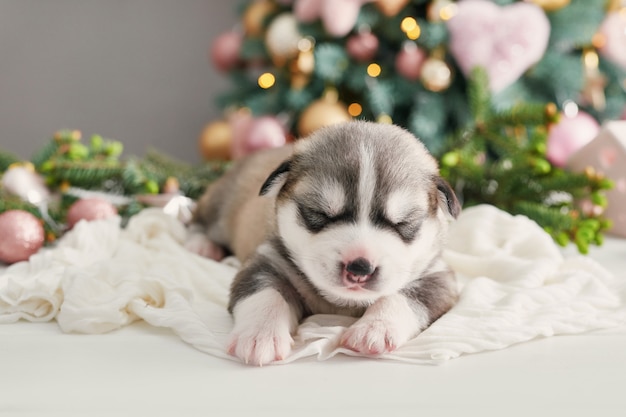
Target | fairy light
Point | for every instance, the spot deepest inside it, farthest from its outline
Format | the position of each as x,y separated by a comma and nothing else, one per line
447,12
355,109
570,108
373,70
408,24
266,80
411,28
591,59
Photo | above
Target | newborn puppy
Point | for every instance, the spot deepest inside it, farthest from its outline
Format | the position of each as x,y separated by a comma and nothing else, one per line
351,220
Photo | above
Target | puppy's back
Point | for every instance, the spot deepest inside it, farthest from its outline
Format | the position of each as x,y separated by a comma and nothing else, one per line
236,217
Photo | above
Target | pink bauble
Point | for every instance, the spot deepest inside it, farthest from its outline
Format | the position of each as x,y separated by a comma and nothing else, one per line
257,134
22,236
569,135
90,209
409,61
339,16
614,31
362,46
306,11
225,50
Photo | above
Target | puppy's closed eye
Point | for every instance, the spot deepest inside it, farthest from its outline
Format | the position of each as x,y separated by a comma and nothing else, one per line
314,219
407,229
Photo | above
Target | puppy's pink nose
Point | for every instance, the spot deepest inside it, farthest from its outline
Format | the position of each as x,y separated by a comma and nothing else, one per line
360,270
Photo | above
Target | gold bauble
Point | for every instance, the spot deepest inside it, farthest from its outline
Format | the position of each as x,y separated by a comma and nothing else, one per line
302,67
255,15
551,5
436,75
215,140
325,111
391,8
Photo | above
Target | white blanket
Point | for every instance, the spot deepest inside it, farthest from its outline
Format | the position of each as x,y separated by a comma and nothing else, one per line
515,286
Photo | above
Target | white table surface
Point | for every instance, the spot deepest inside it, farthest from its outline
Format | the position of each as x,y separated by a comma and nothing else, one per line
146,371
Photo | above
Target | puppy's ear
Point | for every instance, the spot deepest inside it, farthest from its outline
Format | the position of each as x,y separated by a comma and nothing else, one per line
447,197
276,180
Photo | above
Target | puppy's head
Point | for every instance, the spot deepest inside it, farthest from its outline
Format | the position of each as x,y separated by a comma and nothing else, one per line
362,210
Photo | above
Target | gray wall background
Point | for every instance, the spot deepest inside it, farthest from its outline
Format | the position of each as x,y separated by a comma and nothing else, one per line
132,70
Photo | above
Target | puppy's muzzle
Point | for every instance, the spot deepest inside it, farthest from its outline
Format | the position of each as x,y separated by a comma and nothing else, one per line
359,271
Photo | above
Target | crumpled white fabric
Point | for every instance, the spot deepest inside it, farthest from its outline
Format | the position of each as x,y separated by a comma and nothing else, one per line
515,286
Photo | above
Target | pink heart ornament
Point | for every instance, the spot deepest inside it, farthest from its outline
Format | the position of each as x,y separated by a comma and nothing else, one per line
338,16
614,30
505,40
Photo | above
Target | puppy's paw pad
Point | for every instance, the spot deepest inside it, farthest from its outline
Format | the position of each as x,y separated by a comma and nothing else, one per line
200,245
260,348
372,337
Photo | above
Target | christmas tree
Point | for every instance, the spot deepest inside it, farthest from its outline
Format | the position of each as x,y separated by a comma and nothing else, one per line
309,63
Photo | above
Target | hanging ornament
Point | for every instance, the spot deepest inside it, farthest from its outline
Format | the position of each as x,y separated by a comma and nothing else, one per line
435,74
303,65
505,40
612,33
550,5
338,16
255,16
363,46
574,130
441,10
409,61
225,49
89,209
593,91
215,140
325,111
282,38
254,134
391,8
22,236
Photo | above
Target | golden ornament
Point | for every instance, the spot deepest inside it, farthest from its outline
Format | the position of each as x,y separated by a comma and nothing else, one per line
595,81
325,111
436,75
616,5
391,8
171,185
255,16
551,5
303,65
215,140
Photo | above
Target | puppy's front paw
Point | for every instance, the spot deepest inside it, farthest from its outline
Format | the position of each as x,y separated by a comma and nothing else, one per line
260,346
263,325
373,336
386,325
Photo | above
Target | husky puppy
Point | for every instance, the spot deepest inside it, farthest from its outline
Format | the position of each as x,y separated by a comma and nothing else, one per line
351,220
